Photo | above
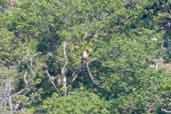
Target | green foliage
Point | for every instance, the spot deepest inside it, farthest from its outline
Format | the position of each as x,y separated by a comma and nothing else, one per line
78,102
123,38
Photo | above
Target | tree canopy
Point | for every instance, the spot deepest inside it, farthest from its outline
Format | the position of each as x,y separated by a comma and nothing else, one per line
127,69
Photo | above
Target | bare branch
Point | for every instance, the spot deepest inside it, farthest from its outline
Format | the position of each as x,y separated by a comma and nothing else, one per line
75,76
66,59
50,79
18,93
165,110
91,75
63,71
90,35
25,79
7,99
26,85
10,99
31,62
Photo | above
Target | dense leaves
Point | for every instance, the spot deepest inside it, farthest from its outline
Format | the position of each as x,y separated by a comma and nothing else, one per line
77,103
128,45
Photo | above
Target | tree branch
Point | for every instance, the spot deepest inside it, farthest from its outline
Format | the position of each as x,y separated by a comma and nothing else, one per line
50,79
63,71
26,85
75,76
165,110
31,62
91,75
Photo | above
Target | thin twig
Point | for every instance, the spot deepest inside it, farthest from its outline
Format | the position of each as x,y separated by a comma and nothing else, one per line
18,93
75,76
